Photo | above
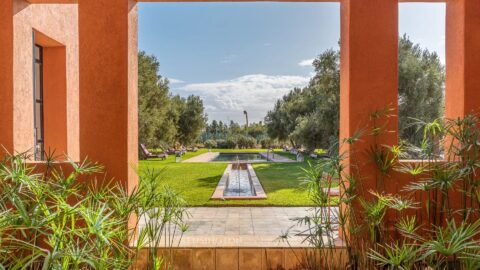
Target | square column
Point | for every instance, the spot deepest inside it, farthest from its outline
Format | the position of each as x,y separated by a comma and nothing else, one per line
6,76
368,83
108,86
368,79
462,95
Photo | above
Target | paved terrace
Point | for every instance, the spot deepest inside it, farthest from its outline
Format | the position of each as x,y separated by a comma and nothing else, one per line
245,227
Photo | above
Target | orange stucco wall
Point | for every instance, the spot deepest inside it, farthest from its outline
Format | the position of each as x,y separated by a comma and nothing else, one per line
59,22
108,83
462,58
369,45
98,109
368,82
55,100
6,76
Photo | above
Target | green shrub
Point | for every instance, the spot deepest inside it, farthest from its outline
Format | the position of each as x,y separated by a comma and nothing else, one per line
231,142
246,141
221,143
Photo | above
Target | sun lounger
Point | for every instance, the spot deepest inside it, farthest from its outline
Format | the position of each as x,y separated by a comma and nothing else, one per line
147,154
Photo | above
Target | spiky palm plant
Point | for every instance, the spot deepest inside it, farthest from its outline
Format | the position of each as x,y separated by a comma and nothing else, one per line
451,245
395,256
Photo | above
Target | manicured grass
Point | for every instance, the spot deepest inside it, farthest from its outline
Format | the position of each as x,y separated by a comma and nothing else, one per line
196,182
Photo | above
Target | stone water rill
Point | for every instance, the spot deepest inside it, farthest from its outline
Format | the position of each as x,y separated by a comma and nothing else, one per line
239,182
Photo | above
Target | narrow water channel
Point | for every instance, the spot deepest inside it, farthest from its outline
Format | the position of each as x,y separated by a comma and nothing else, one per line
239,183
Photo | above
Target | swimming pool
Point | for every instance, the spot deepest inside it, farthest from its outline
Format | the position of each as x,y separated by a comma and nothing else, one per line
233,157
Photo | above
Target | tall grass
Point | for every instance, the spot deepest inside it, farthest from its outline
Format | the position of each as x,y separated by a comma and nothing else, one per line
54,219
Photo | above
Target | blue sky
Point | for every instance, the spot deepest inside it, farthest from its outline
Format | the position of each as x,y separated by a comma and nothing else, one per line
243,56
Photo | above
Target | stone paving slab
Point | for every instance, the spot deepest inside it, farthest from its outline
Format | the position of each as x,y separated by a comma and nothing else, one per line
246,226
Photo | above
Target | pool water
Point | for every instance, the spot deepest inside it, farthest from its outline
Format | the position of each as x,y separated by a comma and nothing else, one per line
232,157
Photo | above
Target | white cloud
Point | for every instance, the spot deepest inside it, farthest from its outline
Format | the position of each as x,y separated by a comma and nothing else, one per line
306,62
256,93
172,80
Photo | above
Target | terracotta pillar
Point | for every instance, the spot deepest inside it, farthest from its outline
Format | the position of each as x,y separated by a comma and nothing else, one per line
108,86
462,94
368,81
6,76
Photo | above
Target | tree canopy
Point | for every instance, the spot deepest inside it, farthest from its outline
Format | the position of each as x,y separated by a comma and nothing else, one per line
421,78
309,117
163,118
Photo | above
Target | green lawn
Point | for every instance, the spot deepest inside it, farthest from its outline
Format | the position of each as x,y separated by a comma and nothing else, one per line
197,181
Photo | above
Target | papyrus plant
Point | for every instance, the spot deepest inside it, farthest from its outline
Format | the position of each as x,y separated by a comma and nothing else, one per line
74,218
426,228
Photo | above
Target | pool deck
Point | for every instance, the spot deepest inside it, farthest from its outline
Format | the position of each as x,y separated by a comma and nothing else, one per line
247,227
207,157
